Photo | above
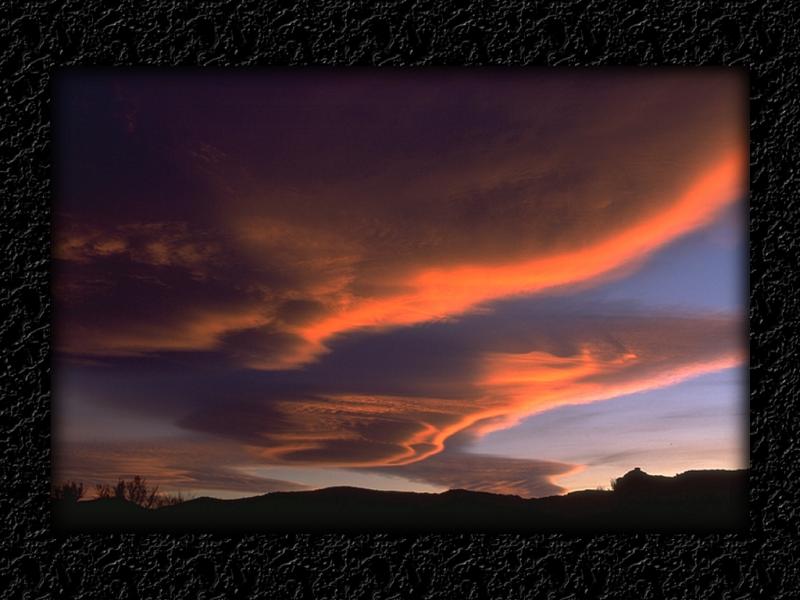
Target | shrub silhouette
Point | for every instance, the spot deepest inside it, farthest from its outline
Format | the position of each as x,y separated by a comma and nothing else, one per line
69,491
138,492
170,499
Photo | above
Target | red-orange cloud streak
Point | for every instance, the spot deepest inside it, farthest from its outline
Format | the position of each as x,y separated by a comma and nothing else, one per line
440,293
324,274
511,386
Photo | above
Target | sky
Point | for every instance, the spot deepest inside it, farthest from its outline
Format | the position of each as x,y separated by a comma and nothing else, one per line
515,281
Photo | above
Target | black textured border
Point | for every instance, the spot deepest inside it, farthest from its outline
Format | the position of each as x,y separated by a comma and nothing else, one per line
761,36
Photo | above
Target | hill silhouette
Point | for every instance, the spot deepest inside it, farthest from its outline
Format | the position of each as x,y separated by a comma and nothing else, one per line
695,501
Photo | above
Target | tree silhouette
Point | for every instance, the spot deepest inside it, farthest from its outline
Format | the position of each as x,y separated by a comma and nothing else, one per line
138,492
69,491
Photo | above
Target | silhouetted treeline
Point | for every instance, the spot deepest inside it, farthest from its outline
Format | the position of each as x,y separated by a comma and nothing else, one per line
136,491
695,501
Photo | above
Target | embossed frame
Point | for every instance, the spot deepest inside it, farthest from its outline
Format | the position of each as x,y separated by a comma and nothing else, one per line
760,37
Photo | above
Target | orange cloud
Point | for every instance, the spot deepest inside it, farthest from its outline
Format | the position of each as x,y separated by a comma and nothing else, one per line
277,262
389,250
511,403
509,386
377,430
438,293
549,381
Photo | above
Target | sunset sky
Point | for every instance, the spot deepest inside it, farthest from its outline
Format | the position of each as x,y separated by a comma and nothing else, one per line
517,281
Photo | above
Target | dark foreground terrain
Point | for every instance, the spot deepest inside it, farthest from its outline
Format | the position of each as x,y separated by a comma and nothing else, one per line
695,501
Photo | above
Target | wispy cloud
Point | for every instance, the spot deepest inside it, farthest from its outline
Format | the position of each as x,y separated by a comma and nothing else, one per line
169,464
495,474
497,380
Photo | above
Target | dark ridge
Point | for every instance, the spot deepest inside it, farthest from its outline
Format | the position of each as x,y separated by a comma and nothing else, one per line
695,501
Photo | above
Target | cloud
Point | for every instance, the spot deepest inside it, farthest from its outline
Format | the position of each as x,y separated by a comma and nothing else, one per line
301,316
155,244
172,465
437,293
501,367
212,466
333,429
316,229
119,308
483,473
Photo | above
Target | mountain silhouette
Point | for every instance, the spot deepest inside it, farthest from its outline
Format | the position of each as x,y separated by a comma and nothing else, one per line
694,501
